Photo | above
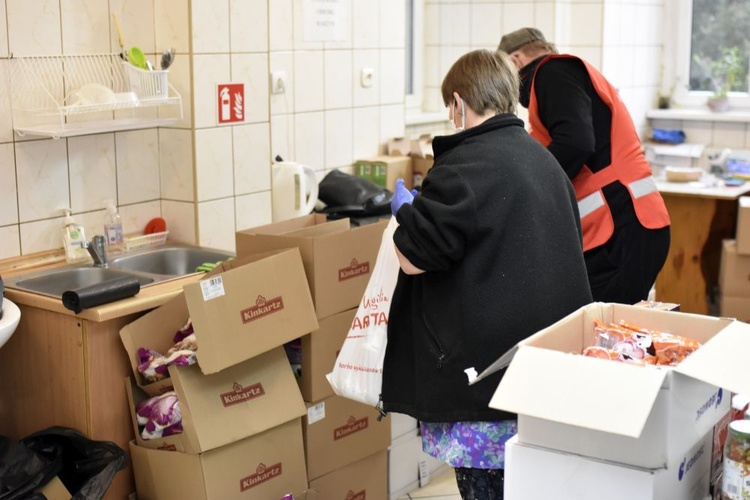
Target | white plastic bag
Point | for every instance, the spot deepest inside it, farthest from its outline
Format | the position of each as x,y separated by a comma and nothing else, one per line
358,372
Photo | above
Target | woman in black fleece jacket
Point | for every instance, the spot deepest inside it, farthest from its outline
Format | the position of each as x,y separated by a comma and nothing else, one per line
491,253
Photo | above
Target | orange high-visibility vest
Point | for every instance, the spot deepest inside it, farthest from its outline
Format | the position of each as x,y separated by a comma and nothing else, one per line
629,166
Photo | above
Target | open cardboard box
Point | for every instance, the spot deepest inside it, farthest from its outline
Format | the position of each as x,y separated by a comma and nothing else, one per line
360,480
536,473
734,271
243,308
339,431
338,259
263,467
639,415
319,352
227,406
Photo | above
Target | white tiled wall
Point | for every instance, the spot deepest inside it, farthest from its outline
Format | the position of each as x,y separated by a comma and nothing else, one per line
207,180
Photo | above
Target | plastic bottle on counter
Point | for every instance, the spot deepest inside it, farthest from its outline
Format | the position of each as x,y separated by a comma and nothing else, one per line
74,239
113,227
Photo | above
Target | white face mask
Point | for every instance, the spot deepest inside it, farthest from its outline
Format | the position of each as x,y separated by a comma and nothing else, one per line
463,116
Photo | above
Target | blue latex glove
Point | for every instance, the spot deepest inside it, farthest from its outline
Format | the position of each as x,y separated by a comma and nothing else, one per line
401,195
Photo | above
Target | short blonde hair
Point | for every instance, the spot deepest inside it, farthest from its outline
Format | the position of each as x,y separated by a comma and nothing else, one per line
485,80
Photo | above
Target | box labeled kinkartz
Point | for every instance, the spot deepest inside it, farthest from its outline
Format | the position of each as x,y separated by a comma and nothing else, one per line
640,415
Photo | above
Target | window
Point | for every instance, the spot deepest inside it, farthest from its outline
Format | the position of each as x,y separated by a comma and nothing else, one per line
711,52
414,51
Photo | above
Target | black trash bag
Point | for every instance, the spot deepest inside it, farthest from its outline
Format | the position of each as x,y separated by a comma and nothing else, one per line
22,471
87,467
347,195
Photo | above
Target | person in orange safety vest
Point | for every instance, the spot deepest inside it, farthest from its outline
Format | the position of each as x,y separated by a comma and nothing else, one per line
579,116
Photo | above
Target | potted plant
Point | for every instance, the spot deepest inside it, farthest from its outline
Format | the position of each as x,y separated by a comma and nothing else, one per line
726,71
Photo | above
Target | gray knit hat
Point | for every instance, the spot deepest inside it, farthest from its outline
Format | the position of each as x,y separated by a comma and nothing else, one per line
517,39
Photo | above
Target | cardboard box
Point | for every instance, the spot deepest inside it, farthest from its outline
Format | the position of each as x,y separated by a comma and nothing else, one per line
402,425
743,226
680,155
262,467
420,167
385,170
319,352
338,259
55,490
409,466
638,415
734,271
735,307
366,478
245,307
339,431
227,406
536,473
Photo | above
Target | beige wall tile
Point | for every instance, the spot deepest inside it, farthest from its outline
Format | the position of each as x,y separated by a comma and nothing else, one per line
137,166
280,25
180,78
172,30
94,14
309,89
135,217
697,132
284,102
282,136
210,28
208,72
137,21
252,158
391,124
180,218
252,70
8,193
455,24
42,176
216,226
393,79
253,210
365,25
339,79
485,25
298,24
6,121
392,24
309,136
3,29
432,24
366,59
214,173
93,176
34,29
586,25
176,164
40,236
11,241
729,135
249,25
366,132
515,16
338,138
545,19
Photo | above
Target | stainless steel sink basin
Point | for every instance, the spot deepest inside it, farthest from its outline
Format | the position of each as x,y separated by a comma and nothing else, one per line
172,261
56,282
149,267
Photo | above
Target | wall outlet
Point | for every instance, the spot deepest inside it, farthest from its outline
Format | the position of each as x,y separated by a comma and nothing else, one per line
367,77
278,82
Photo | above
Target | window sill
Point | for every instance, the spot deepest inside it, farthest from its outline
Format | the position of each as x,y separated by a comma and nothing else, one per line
697,114
425,118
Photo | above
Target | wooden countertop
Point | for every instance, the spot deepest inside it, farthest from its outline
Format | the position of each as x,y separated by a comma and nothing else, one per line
148,297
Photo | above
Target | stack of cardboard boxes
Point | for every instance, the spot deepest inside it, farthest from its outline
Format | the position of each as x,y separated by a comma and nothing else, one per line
734,272
241,407
345,444
590,428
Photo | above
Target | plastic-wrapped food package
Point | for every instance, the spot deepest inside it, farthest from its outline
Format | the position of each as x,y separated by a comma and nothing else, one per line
631,343
159,416
154,366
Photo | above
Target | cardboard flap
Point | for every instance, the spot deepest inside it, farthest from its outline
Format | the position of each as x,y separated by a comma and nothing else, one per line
722,361
578,390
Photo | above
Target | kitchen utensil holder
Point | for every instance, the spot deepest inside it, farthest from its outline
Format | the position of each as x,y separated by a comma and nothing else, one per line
147,84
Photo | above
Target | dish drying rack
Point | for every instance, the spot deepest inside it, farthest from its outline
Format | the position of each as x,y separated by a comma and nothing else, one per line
46,99
139,242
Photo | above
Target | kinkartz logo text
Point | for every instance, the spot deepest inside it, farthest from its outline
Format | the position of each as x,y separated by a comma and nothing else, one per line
262,474
352,425
356,496
240,394
355,269
262,307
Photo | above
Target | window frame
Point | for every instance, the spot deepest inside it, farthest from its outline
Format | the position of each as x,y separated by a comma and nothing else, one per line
677,61
413,101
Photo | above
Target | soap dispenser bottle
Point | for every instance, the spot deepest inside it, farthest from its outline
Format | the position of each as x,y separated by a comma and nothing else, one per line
113,227
74,239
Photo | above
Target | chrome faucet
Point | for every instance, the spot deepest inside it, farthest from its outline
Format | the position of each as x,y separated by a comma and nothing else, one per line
98,251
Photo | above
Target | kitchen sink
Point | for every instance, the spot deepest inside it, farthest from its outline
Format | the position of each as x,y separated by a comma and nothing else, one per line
172,261
149,267
56,282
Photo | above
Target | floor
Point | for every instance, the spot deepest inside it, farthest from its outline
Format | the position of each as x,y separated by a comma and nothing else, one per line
441,487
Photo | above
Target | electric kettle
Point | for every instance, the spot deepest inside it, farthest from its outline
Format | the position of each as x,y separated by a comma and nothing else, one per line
294,190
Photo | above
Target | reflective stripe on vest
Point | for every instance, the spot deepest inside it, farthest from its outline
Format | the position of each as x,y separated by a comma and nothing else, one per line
639,188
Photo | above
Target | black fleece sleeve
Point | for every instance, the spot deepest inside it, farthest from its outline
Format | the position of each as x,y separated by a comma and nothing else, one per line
434,229
565,110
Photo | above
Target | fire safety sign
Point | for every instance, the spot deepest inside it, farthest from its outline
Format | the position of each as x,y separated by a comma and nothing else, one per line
231,102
